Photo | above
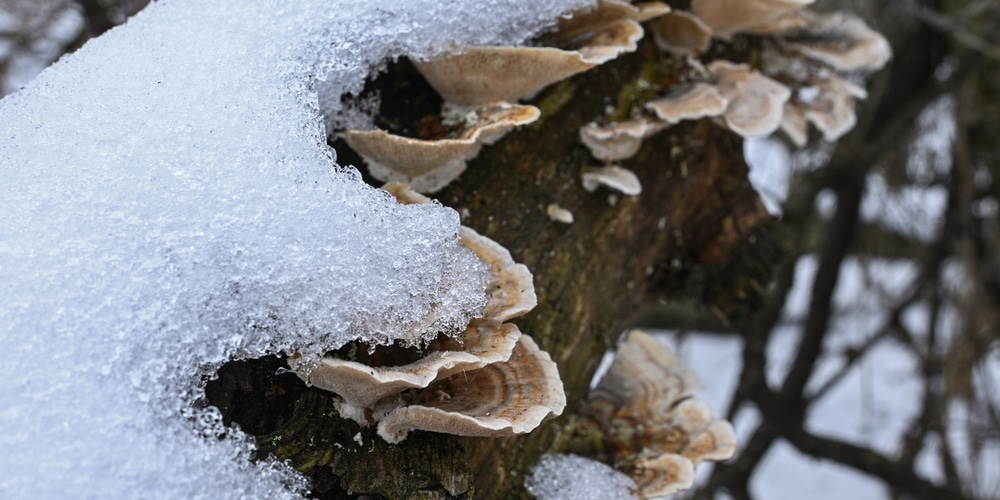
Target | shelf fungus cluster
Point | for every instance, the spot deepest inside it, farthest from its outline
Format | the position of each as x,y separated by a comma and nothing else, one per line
815,60
480,85
649,421
805,76
491,380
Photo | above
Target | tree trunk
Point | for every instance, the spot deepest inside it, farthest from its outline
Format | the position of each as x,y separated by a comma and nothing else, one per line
685,242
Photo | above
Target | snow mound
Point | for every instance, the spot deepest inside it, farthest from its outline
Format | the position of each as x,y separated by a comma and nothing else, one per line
169,203
559,476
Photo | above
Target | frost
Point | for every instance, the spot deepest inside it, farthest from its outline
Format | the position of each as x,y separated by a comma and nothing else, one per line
570,477
169,203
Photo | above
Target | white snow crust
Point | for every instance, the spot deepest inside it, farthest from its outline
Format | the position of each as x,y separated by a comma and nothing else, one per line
560,476
169,203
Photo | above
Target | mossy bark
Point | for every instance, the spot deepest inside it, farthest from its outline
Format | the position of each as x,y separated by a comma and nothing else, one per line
696,236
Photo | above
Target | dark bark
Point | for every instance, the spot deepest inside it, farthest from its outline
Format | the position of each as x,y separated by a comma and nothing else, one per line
684,240
695,248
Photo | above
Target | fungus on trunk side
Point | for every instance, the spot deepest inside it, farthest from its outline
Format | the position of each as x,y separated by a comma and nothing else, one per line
490,381
477,75
654,427
429,165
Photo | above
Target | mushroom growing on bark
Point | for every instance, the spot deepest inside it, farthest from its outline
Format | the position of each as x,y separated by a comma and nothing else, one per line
429,165
618,141
746,101
559,214
840,40
756,102
614,177
500,399
654,427
489,381
691,102
728,17
587,38
682,33
814,60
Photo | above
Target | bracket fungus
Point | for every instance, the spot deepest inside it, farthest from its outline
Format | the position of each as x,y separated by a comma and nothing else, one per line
614,177
728,17
749,103
489,381
500,399
559,214
828,104
756,102
655,428
682,33
362,385
801,79
510,293
689,103
618,141
813,60
478,84
587,38
651,10
429,165
840,40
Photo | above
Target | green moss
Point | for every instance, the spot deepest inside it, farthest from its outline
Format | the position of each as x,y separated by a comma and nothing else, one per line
557,97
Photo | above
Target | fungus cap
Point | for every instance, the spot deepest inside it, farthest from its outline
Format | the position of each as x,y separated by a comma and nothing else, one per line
756,102
728,17
511,292
644,379
696,101
716,442
822,98
618,141
794,124
582,25
787,21
362,386
651,10
681,33
429,165
832,112
841,40
559,214
500,399
619,37
587,38
649,393
484,74
614,177
662,475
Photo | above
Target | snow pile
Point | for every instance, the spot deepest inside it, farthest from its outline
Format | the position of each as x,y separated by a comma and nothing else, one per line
560,476
169,203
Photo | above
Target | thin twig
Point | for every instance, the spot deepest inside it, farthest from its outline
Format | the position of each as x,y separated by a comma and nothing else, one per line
952,28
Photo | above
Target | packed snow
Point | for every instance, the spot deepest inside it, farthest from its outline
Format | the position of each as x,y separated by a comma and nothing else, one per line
169,203
560,476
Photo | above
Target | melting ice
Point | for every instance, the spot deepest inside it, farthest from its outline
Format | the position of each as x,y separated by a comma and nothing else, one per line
169,203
